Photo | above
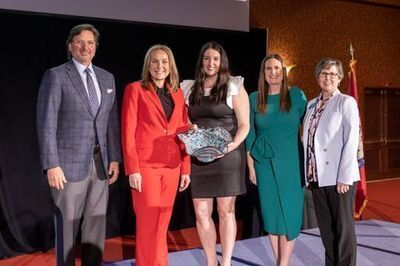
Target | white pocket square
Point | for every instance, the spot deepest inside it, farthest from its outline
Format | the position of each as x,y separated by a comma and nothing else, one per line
109,90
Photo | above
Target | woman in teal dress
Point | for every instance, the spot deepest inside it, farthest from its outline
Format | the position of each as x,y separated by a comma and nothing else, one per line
272,146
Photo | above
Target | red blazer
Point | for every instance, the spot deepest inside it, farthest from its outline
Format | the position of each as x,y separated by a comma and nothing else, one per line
148,138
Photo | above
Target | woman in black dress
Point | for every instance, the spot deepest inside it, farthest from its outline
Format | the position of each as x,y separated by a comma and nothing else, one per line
216,99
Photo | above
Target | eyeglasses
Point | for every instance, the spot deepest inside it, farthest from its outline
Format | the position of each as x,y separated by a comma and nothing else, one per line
331,75
82,43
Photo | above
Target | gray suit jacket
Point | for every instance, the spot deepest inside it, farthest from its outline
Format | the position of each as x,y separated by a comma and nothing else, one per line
66,128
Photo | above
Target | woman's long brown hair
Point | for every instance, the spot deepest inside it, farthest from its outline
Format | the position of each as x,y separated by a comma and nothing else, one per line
263,88
220,89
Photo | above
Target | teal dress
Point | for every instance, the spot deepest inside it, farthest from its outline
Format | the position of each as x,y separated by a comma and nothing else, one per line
273,142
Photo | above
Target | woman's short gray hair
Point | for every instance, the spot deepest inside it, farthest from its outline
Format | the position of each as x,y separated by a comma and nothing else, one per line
328,63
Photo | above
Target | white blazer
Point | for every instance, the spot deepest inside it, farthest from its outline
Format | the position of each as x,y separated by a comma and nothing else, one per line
336,140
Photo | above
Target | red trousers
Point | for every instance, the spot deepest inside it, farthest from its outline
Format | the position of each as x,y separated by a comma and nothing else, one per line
153,209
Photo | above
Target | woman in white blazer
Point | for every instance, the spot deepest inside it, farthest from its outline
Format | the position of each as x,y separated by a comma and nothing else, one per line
331,137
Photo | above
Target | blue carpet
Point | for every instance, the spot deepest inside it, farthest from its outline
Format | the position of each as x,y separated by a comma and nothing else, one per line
378,243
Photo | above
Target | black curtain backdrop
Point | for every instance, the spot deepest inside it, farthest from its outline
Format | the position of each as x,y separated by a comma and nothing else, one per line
32,43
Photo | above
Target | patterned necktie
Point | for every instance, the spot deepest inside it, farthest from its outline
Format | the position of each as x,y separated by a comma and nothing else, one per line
93,100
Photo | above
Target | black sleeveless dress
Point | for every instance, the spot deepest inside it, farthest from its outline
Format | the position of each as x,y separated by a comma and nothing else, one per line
225,176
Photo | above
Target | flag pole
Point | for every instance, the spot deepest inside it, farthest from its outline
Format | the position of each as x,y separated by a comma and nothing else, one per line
361,194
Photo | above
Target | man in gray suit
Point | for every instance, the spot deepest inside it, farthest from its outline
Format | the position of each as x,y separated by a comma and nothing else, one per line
79,138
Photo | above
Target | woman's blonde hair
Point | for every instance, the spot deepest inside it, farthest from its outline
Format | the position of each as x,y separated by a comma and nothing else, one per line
173,77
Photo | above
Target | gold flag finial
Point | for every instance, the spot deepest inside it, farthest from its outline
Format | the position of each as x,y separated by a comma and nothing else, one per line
351,52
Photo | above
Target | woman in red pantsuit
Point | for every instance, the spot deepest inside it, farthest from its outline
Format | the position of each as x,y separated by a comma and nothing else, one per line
153,111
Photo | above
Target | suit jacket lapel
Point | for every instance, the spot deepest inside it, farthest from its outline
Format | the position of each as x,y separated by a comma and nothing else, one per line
102,85
331,105
307,118
152,95
175,100
76,79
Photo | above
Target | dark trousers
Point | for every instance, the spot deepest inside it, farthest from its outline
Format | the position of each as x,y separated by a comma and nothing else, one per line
336,223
